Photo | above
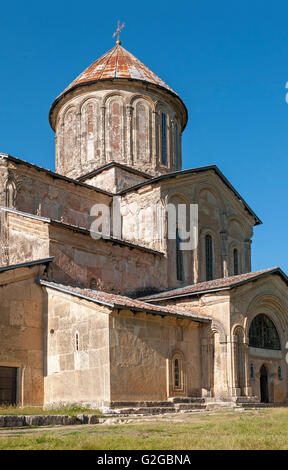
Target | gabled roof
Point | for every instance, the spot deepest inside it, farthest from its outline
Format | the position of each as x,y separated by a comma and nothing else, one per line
113,164
225,283
180,173
120,301
54,174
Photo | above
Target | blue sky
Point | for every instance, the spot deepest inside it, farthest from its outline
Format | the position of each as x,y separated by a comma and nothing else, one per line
227,60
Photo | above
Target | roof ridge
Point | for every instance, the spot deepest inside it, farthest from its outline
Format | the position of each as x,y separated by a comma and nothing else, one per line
126,302
108,59
223,283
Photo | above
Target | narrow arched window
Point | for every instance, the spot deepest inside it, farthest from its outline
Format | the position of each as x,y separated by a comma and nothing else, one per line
93,284
179,258
251,370
209,258
176,373
163,139
280,375
77,341
176,147
10,194
236,262
263,334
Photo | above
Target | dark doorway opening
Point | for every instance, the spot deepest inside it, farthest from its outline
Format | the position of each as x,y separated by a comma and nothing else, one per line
8,385
264,385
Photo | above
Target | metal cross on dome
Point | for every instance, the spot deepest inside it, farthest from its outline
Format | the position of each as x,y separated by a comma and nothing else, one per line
118,31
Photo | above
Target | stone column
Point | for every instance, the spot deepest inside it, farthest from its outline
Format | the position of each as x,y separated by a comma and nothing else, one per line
78,144
172,153
224,254
129,134
59,147
205,367
235,386
155,143
102,136
247,256
247,391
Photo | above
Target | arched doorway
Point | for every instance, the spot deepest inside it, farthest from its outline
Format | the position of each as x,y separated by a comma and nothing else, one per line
264,384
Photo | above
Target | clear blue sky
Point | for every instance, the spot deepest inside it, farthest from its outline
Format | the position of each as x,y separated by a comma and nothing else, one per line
227,60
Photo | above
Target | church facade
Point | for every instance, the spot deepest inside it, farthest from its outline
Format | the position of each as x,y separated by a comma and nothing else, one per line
127,316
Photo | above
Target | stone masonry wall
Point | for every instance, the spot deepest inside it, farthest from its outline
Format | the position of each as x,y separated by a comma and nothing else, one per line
77,360
21,332
141,353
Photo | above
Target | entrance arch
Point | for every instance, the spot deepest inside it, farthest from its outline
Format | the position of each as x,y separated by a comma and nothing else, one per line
264,384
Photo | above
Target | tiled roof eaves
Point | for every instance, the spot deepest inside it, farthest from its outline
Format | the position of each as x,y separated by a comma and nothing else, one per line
82,230
54,174
218,289
194,170
117,241
116,305
28,264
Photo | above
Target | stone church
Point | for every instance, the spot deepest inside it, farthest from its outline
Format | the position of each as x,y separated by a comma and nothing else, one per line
129,318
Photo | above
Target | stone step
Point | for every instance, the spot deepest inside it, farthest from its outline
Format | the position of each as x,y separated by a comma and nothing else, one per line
262,405
187,400
140,404
145,410
190,406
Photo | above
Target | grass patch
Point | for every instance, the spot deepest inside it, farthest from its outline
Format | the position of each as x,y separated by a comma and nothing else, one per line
250,430
70,410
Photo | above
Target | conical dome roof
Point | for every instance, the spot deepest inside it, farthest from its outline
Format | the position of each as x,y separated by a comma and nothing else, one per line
118,63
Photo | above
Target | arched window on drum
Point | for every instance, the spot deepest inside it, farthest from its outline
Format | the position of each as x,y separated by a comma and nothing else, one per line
10,193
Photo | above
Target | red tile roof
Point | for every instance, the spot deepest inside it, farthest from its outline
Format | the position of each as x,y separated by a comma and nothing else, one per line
120,301
215,285
118,63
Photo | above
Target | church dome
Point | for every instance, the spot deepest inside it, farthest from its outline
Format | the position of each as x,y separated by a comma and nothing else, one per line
118,63
118,110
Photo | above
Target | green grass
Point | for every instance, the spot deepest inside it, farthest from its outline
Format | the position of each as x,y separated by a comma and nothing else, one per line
250,430
70,410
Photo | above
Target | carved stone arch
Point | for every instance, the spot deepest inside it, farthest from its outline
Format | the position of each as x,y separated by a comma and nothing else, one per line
142,130
237,220
115,127
70,136
175,352
210,187
68,109
113,94
147,98
179,195
218,327
205,230
93,98
232,246
161,105
90,129
238,330
178,380
274,309
11,189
